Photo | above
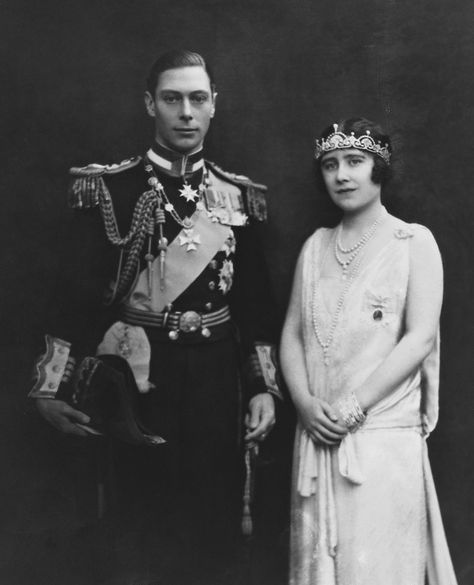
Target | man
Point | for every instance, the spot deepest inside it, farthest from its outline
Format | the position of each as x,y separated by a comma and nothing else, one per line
172,240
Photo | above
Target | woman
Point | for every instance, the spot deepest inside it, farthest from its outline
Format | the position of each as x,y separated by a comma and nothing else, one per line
360,356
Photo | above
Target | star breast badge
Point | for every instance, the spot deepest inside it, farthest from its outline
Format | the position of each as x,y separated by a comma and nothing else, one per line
229,245
226,276
189,239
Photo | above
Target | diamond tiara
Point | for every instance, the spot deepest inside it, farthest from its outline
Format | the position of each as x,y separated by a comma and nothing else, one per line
338,140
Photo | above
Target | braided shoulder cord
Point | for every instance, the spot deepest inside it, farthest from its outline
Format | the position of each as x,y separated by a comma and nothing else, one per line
144,228
110,220
142,224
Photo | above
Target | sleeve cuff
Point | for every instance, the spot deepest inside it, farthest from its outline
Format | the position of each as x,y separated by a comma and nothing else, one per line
263,369
51,368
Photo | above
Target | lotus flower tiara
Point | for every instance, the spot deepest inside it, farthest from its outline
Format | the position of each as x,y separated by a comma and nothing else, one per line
338,140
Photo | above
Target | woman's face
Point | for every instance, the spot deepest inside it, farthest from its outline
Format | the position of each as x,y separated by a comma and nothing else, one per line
347,174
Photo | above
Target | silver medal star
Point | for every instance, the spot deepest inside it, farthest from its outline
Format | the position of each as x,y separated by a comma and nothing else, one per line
189,193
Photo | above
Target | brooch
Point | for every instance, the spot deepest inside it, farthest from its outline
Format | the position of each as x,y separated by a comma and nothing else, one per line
379,304
403,234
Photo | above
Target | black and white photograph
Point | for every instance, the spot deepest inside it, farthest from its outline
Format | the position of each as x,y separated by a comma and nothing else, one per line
237,319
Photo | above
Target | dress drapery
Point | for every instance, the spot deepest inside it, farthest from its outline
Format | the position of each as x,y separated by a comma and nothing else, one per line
366,512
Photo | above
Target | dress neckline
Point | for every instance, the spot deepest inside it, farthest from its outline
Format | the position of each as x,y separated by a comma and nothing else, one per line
364,265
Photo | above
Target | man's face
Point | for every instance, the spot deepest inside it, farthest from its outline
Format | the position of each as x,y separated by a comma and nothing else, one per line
182,106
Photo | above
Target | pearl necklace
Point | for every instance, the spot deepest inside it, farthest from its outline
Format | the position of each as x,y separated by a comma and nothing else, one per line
326,343
357,247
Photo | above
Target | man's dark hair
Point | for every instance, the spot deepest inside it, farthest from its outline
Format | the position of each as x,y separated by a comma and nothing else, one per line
175,60
382,172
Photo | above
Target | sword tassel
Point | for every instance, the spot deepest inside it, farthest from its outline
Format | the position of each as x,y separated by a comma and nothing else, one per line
162,245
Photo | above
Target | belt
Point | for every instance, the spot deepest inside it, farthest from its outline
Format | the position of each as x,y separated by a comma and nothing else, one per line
177,321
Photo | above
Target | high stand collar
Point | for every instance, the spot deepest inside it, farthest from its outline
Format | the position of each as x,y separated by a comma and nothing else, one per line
174,163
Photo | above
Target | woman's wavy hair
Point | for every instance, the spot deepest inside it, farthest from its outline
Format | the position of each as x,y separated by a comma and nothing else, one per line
382,172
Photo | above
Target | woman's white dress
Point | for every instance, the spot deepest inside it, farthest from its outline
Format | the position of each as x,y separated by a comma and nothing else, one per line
366,512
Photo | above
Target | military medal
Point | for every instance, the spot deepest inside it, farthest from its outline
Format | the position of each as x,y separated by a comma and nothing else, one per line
229,245
189,239
224,207
162,204
189,193
226,276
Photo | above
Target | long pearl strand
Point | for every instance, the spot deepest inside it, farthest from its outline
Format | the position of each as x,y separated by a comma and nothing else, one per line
357,247
326,343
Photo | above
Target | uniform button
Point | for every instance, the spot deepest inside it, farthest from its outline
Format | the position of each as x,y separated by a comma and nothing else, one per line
208,306
212,285
52,385
56,369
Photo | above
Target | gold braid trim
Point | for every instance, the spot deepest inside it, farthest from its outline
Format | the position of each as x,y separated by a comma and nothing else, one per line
88,184
84,192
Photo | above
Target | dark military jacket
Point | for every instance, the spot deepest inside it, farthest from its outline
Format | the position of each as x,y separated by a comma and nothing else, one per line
236,275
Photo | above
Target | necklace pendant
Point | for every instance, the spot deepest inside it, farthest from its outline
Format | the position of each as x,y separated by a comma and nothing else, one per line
189,239
344,276
189,193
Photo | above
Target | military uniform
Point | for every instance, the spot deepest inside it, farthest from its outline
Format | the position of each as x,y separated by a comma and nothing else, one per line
172,244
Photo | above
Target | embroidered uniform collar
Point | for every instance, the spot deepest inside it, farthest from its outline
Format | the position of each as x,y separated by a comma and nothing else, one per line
174,163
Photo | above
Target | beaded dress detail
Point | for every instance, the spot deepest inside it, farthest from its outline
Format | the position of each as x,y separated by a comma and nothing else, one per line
365,512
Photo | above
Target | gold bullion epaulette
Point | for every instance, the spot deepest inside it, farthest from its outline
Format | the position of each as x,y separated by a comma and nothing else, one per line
87,182
254,193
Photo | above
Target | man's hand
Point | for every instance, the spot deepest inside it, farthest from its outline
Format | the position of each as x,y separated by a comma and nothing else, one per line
62,416
321,422
260,418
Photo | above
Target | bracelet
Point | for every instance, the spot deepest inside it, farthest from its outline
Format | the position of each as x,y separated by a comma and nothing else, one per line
352,414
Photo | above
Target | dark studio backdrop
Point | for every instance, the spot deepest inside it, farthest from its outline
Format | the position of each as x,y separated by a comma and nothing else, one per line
72,84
